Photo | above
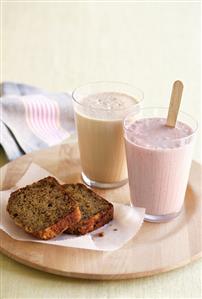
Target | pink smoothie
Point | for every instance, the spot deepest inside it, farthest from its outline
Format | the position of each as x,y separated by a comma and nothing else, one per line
159,160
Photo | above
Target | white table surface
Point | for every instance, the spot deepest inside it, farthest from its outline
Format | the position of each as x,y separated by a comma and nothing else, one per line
58,46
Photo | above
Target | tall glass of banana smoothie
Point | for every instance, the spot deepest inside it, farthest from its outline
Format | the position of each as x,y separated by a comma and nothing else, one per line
99,111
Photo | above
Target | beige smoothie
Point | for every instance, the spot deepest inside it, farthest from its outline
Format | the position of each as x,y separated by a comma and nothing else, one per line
159,160
100,135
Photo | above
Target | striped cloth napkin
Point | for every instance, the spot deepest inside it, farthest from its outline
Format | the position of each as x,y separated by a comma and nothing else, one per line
32,119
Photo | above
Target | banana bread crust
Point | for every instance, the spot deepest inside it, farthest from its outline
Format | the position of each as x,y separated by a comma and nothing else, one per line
91,224
92,219
59,227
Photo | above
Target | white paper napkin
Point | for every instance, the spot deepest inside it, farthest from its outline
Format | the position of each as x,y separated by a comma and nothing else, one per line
125,225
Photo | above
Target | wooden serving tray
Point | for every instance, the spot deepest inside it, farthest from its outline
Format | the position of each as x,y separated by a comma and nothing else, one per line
156,248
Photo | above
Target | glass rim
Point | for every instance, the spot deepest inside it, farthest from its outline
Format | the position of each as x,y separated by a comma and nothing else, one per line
109,82
194,130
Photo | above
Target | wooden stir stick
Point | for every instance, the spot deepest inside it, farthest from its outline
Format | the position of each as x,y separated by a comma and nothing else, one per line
174,103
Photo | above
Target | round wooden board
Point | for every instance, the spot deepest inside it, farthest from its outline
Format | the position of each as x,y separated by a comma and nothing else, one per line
157,247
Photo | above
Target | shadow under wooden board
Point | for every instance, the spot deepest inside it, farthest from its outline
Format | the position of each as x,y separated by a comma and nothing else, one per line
157,248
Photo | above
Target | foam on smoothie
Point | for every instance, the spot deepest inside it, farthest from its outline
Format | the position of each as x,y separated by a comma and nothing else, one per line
107,105
153,133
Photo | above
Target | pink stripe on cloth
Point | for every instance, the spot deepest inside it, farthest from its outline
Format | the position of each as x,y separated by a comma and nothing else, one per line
43,119
38,120
31,115
34,118
53,120
61,131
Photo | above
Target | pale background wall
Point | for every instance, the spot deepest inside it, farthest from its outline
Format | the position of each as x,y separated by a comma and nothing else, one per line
59,46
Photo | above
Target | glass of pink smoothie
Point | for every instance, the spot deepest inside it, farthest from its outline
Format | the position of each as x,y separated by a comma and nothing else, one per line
158,160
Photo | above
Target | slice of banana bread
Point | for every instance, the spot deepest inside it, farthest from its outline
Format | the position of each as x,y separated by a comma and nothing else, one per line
43,209
95,210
